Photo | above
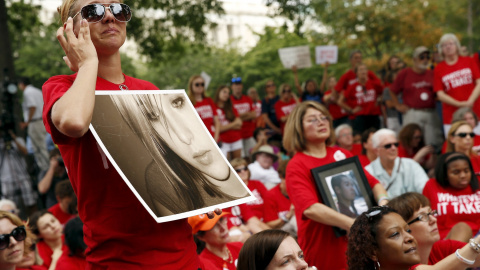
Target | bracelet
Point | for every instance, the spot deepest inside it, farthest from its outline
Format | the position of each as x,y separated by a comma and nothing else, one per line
463,259
284,217
474,245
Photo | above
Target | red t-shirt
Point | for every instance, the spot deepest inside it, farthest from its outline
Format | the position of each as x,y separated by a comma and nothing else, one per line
45,252
476,59
243,105
66,262
59,214
356,96
322,249
417,88
457,81
206,109
213,262
118,230
335,110
34,267
275,204
231,135
453,206
442,249
284,109
238,215
260,191
364,160
350,78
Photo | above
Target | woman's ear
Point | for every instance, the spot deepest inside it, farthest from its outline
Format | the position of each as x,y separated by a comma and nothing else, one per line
374,257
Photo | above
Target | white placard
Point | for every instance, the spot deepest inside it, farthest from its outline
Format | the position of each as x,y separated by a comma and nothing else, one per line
295,56
207,79
325,54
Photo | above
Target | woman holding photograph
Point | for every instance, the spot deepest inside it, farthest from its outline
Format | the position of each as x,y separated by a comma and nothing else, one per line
114,219
187,171
344,189
309,133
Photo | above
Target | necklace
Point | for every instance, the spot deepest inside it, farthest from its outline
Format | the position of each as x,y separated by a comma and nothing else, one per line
229,259
123,87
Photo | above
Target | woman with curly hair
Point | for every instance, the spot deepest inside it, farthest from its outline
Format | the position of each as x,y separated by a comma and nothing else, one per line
381,239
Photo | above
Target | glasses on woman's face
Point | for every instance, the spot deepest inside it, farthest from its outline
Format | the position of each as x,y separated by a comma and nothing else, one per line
96,12
287,91
465,134
239,170
19,234
424,217
315,120
199,84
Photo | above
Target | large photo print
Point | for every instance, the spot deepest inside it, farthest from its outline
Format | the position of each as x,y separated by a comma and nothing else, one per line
163,151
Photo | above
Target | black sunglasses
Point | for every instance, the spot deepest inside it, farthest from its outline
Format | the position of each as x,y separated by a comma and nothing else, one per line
424,56
200,84
388,146
19,234
241,169
96,12
464,134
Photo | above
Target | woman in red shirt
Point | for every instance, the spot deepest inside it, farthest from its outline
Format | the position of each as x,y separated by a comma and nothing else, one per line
412,146
460,139
456,80
230,124
309,133
204,105
381,239
360,101
213,242
285,105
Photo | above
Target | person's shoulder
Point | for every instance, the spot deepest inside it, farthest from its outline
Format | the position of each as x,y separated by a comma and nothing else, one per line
235,246
61,79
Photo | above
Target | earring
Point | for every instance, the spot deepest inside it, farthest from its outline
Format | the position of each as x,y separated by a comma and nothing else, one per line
377,263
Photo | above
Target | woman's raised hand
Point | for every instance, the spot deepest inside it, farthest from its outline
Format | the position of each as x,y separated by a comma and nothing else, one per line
78,49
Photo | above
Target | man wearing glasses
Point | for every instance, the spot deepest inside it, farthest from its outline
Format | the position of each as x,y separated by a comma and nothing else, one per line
397,175
416,86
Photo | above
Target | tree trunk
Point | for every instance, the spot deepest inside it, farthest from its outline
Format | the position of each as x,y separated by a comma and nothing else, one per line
6,57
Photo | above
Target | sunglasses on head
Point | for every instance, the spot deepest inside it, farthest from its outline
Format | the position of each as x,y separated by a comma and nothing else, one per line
96,12
389,145
19,234
237,80
464,134
200,84
239,170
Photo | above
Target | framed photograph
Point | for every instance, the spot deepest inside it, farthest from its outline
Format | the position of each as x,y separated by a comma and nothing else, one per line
160,147
343,186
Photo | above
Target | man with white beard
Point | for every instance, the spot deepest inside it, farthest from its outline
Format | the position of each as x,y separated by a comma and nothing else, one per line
416,86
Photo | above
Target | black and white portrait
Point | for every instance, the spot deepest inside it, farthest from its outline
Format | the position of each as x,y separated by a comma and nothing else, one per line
161,148
346,194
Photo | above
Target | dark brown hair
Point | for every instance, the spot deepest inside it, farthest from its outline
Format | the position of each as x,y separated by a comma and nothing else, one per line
259,249
227,106
406,136
407,203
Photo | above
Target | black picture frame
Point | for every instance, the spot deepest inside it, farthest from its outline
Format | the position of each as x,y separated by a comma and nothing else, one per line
339,172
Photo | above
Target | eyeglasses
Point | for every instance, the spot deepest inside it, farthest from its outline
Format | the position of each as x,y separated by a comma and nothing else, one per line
96,12
389,145
239,170
237,80
464,134
316,120
200,84
19,234
424,56
287,91
424,217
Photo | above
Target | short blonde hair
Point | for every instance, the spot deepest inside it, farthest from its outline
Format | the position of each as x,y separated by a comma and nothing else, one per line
449,37
451,131
294,137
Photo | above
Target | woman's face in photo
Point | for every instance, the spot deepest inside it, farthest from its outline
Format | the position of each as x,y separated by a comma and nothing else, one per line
289,256
224,94
49,227
107,34
459,174
316,127
198,86
462,144
187,137
346,189
426,233
13,254
397,248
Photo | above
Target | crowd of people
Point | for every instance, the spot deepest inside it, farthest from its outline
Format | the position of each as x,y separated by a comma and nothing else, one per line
413,129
